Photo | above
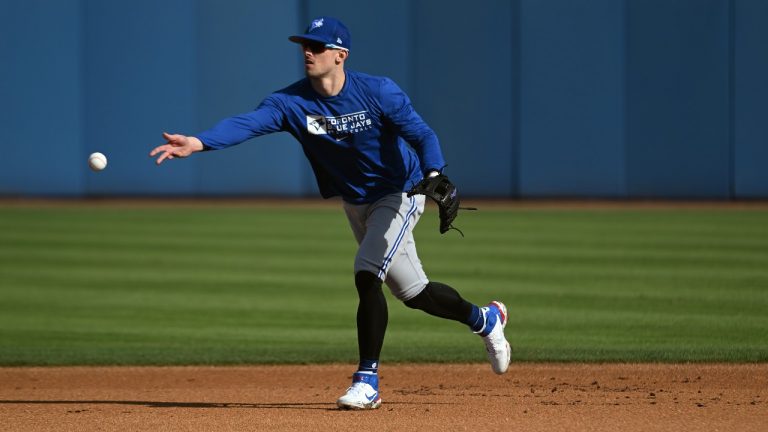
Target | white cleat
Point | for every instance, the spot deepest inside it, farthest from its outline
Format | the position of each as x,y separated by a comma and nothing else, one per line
362,394
497,346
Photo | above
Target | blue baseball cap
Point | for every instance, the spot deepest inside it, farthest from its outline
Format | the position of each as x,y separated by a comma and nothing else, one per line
328,31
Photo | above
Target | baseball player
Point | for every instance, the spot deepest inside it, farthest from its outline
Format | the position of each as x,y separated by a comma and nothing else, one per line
365,143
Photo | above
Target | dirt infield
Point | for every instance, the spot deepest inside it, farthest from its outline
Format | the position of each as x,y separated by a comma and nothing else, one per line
530,397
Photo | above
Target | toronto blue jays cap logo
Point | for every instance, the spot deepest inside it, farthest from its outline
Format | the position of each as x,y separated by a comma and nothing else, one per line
315,24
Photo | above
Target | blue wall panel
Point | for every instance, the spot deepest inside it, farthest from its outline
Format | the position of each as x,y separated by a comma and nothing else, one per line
41,150
750,89
678,99
140,80
572,98
464,89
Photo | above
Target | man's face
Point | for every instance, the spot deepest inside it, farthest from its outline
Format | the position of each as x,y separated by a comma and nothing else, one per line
318,60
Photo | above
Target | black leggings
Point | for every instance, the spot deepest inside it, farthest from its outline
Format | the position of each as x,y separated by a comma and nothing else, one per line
435,299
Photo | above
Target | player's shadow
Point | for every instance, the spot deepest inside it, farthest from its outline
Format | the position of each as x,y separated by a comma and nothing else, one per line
156,404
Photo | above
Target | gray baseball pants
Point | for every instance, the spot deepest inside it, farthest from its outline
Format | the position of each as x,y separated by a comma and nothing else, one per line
384,232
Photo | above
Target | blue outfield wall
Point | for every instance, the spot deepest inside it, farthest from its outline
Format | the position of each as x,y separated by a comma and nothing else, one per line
41,119
572,98
678,99
749,88
530,98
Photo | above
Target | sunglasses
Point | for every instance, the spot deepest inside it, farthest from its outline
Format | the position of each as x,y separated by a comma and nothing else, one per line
314,47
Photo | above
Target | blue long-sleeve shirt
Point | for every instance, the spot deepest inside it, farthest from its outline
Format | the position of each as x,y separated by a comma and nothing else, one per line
364,143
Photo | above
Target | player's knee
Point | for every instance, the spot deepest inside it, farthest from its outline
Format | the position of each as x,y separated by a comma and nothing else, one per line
367,283
420,301
414,303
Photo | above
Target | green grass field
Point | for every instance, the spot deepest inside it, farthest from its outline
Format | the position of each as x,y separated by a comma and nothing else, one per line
270,284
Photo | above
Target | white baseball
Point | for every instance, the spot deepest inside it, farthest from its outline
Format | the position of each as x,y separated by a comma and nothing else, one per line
97,161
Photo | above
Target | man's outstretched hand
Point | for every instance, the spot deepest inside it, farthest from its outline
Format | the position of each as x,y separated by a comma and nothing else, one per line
176,146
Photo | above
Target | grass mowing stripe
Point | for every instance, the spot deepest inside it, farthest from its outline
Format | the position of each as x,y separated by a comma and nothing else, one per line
253,285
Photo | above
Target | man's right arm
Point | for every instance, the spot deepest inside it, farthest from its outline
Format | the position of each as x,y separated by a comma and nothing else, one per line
265,119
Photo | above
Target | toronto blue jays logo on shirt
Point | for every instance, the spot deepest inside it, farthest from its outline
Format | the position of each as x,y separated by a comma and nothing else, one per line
339,127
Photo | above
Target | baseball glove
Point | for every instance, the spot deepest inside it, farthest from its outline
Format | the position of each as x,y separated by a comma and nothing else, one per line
443,193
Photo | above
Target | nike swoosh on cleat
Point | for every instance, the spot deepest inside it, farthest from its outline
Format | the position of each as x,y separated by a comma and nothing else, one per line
370,397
